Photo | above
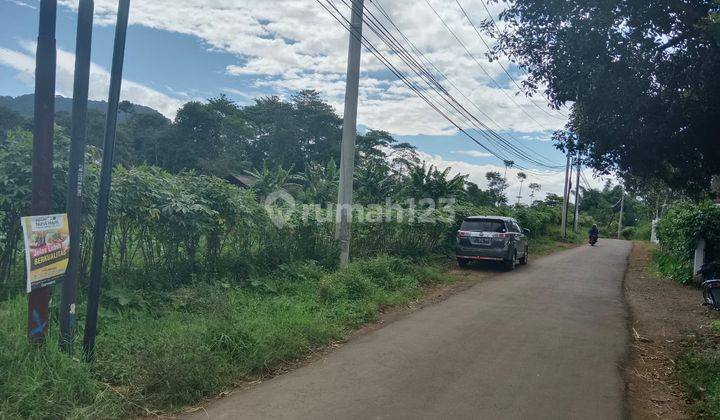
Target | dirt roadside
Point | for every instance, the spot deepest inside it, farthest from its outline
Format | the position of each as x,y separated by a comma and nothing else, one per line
662,315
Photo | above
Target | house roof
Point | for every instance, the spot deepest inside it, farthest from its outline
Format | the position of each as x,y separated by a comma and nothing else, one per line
247,181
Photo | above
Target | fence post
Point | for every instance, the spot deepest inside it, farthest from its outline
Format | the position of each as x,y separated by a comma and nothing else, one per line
653,232
699,259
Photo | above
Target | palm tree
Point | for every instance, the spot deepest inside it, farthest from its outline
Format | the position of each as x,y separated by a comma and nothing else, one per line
429,182
269,180
521,177
534,187
321,182
375,183
508,164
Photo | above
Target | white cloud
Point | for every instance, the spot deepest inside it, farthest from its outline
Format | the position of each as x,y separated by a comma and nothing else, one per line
24,63
472,153
23,4
288,45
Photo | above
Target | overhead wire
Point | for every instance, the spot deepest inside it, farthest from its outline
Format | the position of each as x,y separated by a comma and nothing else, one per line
421,72
492,19
482,67
507,73
394,44
370,47
452,84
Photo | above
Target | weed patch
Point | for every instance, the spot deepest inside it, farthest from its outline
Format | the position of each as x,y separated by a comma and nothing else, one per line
165,351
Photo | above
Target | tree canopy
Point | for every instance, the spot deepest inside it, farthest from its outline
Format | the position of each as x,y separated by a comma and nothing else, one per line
642,76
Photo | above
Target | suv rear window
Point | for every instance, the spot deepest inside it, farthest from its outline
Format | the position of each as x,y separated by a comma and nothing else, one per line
483,225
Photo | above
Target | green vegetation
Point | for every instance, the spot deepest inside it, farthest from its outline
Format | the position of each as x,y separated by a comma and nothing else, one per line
204,284
678,232
162,351
641,77
699,371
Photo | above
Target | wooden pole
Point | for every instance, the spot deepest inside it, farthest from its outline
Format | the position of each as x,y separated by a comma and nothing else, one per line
42,154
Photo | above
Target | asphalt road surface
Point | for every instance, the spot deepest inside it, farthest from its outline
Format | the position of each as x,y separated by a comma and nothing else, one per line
543,342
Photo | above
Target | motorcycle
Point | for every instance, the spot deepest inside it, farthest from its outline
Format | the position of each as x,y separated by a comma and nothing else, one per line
593,240
711,293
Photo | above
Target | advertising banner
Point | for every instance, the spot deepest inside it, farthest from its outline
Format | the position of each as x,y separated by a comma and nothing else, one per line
47,247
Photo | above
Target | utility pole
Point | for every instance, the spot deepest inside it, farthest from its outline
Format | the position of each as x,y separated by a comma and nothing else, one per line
76,170
42,152
105,179
563,223
622,205
349,133
577,193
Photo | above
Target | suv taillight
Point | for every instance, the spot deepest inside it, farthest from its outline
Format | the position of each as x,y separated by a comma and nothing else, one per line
462,233
501,235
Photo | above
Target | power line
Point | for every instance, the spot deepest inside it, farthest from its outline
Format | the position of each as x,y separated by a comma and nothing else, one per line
424,58
422,73
471,55
467,17
382,32
398,73
492,19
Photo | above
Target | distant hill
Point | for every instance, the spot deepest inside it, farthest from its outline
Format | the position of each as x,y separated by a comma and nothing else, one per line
25,104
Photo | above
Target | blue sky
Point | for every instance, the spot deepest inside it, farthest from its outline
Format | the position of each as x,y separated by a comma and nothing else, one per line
180,50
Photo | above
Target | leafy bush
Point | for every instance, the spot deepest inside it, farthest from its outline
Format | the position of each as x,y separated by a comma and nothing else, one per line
628,232
679,231
678,269
198,339
699,371
642,232
43,382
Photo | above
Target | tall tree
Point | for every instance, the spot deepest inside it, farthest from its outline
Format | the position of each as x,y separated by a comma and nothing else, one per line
497,186
642,75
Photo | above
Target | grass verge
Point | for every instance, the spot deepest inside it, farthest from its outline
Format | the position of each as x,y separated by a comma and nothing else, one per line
162,351
699,371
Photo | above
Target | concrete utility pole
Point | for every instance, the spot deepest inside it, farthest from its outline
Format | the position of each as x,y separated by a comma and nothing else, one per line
75,171
349,133
620,219
42,153
563,223
577,193
105,179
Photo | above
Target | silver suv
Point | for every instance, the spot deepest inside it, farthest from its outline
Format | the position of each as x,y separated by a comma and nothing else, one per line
493,238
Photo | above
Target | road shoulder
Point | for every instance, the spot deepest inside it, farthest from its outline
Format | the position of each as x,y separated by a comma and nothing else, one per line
663,316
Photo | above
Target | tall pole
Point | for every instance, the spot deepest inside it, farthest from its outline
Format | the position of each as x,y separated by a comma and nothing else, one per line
75,172
105,178
563,223
349,132
42,153
622,205
577,193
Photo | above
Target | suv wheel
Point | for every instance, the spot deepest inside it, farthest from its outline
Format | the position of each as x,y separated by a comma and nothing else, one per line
462,262
510,264
524,259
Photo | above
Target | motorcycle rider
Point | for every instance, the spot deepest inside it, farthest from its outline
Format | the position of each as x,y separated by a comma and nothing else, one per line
593,231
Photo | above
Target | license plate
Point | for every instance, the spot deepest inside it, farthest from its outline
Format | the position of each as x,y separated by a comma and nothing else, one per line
480,241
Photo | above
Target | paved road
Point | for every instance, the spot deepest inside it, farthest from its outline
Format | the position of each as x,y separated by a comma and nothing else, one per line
542,342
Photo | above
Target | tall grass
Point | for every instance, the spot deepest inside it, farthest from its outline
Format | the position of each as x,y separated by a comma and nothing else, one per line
172,350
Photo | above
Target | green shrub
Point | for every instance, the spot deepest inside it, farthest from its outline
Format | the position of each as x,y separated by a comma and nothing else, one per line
628,232
699,371
673,267
42,382
182,345
679,231
642,232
